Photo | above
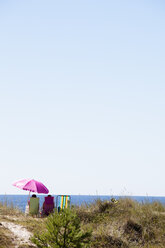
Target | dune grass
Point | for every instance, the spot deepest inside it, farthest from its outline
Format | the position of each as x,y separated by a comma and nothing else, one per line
9,209
5,238
126,224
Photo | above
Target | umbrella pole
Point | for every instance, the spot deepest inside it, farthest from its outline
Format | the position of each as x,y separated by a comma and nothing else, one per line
28,198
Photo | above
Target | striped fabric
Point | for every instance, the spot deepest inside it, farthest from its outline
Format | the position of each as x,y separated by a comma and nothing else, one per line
63,201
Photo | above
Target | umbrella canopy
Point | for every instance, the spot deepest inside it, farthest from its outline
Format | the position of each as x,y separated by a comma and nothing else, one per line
32,186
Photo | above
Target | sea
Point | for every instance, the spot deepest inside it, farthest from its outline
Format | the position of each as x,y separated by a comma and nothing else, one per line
20,201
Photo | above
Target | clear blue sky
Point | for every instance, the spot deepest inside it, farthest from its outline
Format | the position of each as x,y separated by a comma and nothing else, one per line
82,95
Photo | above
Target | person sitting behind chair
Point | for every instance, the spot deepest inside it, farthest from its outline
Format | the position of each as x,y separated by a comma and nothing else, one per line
48,205
34,196
34,205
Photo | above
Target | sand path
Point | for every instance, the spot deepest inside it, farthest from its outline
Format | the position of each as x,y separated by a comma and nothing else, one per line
21,235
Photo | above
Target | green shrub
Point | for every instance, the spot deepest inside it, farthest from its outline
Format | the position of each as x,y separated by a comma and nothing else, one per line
63,230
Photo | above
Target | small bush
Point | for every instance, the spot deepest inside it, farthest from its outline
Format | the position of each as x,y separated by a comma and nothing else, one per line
107,241
63,230
134,230
104,206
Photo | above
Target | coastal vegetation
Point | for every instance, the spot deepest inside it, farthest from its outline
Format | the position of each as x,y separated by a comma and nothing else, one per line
125,224
63,230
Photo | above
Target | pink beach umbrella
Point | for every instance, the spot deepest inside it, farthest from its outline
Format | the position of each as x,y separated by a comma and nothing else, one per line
32,186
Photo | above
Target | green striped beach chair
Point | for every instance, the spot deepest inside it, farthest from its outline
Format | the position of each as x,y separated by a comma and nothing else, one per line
63,201
34,206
